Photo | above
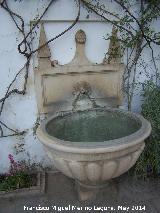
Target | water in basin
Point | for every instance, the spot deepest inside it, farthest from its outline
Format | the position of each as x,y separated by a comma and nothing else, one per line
92,126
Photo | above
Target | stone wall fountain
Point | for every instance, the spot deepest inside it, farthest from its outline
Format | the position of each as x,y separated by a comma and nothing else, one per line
86,136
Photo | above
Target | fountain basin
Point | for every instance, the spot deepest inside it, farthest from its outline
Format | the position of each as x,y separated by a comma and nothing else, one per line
94,145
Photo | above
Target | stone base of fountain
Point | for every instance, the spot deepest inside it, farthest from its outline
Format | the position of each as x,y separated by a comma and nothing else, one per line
91,192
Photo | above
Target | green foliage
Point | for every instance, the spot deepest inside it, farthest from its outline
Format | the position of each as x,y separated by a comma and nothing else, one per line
149,162
17,177
16,181
151,107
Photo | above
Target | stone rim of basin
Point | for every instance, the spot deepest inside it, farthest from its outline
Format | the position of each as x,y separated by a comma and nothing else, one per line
96,147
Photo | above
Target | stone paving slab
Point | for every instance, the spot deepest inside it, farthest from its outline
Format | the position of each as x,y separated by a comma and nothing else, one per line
61,193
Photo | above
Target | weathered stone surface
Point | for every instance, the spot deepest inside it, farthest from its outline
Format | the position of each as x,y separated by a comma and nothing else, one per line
53,95
44,52
109,169
94,163
57,86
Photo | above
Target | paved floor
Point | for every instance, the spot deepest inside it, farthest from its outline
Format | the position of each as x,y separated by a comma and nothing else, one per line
125,195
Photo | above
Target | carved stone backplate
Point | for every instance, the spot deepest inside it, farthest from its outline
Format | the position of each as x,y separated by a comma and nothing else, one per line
55,83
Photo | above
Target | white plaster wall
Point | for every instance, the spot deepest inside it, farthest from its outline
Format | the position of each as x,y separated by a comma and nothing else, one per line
20,112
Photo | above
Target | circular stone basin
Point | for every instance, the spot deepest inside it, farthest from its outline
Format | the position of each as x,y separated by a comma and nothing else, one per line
92,125
94,130
94,145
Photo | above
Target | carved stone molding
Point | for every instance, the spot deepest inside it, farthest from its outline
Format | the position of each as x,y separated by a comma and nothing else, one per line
80,37
95,172
105,78
45,51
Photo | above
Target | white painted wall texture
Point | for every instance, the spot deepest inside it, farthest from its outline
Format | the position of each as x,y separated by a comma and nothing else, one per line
20,112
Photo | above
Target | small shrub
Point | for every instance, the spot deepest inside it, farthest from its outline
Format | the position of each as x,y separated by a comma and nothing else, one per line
16,178
148,164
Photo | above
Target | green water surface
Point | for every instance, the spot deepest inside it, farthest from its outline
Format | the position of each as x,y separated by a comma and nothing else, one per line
92,126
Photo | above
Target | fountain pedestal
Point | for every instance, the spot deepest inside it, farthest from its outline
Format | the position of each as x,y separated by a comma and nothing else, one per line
91,192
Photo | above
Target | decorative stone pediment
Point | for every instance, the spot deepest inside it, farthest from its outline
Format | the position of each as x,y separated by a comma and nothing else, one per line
55,83
45,51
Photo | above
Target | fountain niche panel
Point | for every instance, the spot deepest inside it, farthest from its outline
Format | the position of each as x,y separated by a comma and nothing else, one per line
85,135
